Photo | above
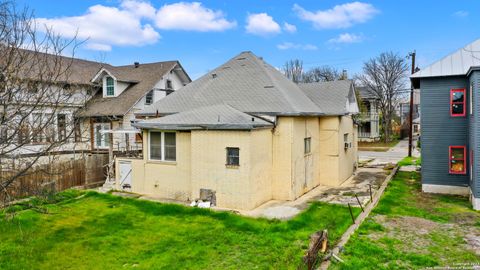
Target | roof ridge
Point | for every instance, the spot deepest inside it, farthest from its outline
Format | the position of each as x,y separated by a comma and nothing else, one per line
265,66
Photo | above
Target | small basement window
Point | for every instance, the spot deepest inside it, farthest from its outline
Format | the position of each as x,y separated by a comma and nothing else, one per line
457,159
233,156
307,145
457,102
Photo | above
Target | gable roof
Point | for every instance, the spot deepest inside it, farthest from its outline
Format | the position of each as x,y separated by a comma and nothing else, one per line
217,117
67,69
458,63
142,79
245,82
332,97
365,93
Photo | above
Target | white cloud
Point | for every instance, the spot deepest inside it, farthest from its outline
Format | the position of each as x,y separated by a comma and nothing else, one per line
340,16
139,8
103,27
290,45
347,38
191,16
290,28
461,14
262,24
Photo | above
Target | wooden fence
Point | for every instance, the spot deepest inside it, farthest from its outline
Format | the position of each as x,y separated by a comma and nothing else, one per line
60,175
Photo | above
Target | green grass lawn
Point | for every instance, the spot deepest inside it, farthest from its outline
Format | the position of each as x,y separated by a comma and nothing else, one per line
412,230
101,231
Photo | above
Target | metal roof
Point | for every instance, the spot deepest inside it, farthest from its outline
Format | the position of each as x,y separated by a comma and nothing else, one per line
216,117
457,63
245,82
332,97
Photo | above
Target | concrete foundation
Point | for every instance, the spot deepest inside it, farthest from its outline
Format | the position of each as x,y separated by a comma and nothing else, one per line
444,189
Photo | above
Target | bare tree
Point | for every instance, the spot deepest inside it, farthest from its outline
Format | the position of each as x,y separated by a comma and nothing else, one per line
323,74
34,91
384,76
293,69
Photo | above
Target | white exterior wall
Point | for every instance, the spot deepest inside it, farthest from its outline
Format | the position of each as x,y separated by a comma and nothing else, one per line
73,102
119,141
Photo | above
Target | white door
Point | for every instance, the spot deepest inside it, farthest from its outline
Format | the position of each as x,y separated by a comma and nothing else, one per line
125,175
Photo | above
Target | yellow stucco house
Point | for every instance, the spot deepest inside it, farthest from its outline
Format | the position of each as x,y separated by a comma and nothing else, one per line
246,134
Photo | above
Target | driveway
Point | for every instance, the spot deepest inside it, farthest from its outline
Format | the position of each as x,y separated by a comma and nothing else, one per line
394,155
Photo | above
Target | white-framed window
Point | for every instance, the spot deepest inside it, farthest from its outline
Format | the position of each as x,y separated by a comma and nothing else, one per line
110,86
168,84
149,98
162,146
101,139
61,127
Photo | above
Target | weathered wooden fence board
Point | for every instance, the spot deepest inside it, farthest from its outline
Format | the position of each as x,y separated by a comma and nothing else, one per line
64,175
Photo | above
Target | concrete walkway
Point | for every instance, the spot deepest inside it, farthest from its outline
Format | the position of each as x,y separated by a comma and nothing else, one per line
359,184
394,155
371,176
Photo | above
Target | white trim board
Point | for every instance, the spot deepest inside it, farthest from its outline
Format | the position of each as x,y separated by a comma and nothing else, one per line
475,203
445,189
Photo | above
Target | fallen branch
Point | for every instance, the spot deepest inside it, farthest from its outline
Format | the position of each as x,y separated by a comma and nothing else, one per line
318,243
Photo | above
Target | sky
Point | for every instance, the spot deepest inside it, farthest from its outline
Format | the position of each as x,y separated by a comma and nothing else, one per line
204,34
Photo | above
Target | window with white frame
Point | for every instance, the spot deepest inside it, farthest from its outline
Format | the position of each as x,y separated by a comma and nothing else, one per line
61,127
163,146
101,139
168,84
110,85
149,98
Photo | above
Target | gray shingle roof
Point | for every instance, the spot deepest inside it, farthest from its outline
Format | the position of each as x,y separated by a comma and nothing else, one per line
220,117
331,97
142,78
457,63
246,83
66,69
365,93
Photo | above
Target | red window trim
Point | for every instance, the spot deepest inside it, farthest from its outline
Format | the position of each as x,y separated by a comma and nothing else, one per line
464,159
464,102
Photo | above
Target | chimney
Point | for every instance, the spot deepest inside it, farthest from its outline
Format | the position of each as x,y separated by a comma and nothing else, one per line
136,64
344,75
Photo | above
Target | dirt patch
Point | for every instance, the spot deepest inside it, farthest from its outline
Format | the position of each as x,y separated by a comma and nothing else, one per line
470,219
411,225
473,242
419,235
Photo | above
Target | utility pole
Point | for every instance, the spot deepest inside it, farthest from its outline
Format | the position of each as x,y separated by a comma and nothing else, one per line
410,118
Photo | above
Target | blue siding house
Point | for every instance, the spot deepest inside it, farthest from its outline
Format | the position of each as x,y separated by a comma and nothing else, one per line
450,94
